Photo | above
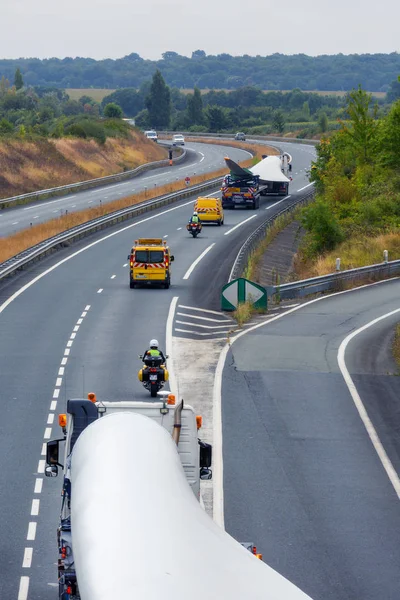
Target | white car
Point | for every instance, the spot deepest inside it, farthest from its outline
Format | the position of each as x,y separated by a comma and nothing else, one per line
151,135
178,140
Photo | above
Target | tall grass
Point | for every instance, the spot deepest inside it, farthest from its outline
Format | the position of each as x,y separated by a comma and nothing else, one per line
353,253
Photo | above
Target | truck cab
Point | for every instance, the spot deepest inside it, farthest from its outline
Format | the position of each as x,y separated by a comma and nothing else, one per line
150,263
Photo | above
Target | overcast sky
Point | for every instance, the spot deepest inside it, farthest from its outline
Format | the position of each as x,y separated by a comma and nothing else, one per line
101,28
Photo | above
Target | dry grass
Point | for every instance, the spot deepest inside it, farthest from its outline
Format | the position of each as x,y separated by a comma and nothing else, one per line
28,166
243,313
396,345
96,94
354,252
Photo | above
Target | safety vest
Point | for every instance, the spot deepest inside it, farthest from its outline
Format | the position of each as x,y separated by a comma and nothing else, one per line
153,352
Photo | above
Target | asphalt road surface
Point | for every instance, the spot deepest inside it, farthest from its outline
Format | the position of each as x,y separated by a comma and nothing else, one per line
302,478
71,325
202,158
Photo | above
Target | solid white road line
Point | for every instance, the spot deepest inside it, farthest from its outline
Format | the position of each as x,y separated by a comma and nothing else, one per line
225,327
212,312
240,224
23,588
65,199
173,384
204,318
196,262
306,186
223,332
373,436
275,203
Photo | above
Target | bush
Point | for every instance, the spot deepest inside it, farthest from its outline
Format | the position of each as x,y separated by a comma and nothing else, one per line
76,130
324,232
113,111
6,127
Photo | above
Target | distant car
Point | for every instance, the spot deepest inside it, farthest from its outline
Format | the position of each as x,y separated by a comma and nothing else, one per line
178,140
240,136
151,135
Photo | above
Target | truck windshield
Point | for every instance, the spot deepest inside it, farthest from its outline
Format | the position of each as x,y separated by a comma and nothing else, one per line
149,256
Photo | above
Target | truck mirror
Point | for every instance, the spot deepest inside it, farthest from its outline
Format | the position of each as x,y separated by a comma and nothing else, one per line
128,257
205,473
172,258
205,455
51,471
52,453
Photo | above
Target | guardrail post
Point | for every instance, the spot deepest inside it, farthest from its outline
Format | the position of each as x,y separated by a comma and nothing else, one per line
338,264
385,256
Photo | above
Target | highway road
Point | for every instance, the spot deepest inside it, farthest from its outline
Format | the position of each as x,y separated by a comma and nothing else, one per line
71,325
202,158
305,477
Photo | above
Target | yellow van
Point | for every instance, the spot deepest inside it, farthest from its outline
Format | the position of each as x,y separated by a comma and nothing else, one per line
209,210
150,262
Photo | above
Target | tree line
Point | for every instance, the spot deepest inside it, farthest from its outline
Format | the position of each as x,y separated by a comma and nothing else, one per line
373,72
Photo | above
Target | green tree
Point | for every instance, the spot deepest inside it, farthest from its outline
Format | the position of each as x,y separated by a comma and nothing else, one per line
390,138
278,121
4,86
158,102
18,81
216,118
323,122
6,127
195,108
113,111
361,130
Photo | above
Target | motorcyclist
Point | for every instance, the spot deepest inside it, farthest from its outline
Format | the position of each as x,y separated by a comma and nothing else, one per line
154,350
195,219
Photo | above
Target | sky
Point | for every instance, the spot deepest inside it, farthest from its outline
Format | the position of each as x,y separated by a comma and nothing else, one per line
105,29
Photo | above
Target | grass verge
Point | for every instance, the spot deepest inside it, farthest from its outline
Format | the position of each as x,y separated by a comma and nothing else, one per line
252,270
396,345
354,252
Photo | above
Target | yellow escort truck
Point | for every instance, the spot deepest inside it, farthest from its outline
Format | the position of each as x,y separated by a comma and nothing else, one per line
150,263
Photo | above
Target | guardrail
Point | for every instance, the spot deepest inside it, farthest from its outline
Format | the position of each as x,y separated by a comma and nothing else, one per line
259,234
89,184
35,253
231,136
334,281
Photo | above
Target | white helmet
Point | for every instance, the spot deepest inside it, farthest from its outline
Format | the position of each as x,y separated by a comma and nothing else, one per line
153,343
195,214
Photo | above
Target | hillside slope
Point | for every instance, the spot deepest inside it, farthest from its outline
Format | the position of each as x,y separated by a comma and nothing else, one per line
27,166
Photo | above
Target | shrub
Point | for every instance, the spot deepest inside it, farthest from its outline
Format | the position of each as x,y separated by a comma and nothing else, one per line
324,232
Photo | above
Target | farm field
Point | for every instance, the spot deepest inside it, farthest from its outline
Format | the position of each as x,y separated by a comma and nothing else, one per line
96,94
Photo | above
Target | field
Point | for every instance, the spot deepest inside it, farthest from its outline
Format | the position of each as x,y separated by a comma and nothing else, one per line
96,94
99,94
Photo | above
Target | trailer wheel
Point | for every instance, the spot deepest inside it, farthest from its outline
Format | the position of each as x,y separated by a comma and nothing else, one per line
132,285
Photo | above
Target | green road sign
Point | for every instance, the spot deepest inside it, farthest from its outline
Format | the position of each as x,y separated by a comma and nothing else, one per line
242,290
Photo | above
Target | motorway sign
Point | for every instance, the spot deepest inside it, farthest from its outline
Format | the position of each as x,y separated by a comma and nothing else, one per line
242,290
